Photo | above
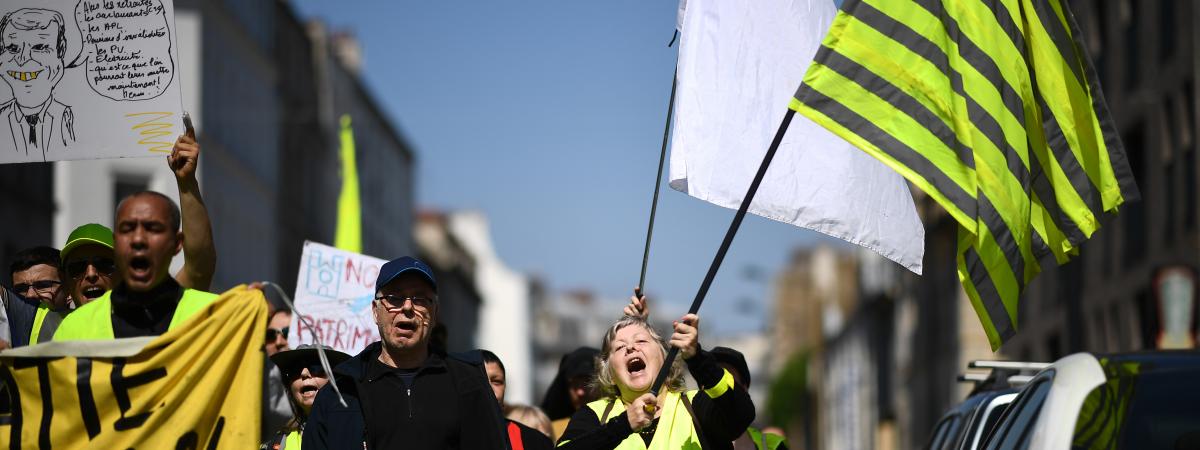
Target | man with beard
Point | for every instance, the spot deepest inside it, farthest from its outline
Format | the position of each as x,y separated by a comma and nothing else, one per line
400,394
33,46
146,300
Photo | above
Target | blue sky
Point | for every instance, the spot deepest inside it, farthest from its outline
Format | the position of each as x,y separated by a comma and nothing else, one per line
548,116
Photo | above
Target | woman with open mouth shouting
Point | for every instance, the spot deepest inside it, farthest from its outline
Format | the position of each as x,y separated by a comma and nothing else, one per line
628,416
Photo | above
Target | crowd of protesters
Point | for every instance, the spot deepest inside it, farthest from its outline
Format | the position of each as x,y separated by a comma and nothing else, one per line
404,391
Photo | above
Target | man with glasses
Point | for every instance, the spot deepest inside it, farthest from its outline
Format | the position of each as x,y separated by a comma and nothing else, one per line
400,394
37,276
88,258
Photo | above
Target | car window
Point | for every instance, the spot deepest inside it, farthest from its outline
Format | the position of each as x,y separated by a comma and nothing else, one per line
1149,410
987,423
1017,426
939,432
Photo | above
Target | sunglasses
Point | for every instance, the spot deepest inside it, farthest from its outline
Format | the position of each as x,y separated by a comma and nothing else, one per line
105,266
314,369
273,333
395,302
39,286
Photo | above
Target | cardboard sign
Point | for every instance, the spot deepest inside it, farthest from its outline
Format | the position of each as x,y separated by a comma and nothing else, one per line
334,291
88,79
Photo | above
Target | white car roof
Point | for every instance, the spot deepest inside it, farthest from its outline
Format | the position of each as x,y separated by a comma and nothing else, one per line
1075,376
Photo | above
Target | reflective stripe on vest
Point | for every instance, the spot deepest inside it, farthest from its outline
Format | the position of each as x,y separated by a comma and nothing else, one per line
93,321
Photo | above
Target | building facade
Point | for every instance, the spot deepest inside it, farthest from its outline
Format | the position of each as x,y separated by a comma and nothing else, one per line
266,92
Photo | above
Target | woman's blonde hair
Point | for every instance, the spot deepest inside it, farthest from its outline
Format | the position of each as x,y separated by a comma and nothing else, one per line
532,417
605,382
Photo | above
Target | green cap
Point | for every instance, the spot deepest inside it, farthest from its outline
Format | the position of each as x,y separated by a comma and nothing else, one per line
92,233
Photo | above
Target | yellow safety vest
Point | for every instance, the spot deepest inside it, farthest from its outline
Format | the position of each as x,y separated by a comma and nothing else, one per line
39,319
292,442
93,321
675,430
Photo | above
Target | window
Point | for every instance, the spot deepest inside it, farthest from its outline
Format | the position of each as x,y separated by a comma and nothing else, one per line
126,185
1017,425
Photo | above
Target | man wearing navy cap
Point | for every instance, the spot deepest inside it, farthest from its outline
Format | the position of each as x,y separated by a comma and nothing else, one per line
400,394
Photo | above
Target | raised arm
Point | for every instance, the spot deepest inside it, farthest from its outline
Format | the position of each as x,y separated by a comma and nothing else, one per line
199,253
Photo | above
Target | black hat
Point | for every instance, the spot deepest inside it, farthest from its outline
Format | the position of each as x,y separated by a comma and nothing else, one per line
735,359
581,362
306,354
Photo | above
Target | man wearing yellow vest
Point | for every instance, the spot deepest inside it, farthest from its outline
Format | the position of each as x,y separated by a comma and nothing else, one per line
146,300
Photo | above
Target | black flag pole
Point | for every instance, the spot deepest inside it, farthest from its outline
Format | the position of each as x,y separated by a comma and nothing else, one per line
733,229
662,156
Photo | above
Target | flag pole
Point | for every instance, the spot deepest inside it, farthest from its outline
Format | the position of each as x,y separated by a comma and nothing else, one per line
662,156
733,228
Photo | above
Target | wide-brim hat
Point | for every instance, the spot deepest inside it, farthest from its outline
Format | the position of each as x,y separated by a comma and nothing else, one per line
307,353
92,233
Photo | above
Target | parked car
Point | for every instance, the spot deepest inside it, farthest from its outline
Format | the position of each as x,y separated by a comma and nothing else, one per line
966,425
1147,400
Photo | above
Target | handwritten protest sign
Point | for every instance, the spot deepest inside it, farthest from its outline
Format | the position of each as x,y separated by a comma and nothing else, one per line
88,79
334,291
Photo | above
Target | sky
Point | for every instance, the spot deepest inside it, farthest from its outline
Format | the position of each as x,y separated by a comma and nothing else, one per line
548,116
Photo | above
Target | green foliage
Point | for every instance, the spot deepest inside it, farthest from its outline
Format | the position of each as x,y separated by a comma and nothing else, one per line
787,399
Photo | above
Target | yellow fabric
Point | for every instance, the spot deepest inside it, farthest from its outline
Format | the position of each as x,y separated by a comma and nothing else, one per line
93,321
719,389
992,109
674,432
348,235
196,386
292,441
38,318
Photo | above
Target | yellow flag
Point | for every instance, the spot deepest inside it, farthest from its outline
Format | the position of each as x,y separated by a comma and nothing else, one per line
198,386
348,235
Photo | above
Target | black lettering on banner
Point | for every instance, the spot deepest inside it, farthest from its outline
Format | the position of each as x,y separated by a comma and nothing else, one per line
87,403
43,369
121,387
13,417
190,440
215,436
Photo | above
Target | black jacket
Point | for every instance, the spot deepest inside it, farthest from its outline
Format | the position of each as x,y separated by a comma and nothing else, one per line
446,390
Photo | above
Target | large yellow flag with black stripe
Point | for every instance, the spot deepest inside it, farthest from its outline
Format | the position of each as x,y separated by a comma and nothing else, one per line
993,109
198,386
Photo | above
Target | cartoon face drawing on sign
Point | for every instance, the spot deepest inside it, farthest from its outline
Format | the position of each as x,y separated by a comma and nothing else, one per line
33,45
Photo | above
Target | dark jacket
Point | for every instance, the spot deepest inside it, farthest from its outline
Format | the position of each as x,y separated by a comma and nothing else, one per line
445,390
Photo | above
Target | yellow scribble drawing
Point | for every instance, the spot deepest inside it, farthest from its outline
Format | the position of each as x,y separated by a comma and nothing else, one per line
153,129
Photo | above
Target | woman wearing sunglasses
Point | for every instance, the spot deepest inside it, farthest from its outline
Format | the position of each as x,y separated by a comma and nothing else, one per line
302,375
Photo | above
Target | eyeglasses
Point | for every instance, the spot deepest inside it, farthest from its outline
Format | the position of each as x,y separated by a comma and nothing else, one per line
38,286
78,267
314,369
396,302
274,333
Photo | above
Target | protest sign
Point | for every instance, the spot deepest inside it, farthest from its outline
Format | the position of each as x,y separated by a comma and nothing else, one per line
88,79
334,290
196,386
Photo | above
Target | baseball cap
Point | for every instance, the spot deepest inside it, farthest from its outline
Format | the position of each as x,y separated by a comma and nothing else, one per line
395,267
92,233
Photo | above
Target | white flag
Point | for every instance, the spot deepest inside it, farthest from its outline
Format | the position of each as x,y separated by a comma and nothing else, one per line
740,62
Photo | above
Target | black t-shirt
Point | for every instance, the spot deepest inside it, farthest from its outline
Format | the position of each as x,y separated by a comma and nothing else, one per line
531,439
145,313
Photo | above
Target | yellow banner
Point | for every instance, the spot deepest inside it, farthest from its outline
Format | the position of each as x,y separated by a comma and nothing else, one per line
198,386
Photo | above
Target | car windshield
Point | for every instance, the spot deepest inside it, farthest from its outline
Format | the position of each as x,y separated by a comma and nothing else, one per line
1151,410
